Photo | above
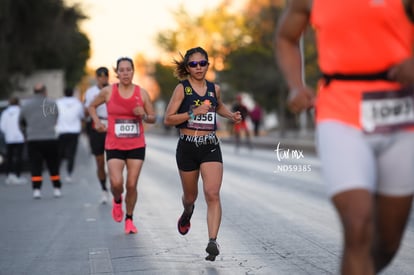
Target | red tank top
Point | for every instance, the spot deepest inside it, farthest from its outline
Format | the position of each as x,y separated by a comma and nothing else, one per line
357,37
125,130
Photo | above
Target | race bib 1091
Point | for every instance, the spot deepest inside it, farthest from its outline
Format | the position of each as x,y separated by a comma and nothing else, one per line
384,111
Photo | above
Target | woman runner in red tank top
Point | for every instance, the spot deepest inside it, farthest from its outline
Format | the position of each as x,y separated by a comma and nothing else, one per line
128,107
124,125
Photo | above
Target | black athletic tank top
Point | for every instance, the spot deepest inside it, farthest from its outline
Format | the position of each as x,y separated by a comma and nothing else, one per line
191,100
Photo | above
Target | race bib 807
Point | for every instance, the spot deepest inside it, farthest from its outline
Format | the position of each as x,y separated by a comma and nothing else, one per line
126,128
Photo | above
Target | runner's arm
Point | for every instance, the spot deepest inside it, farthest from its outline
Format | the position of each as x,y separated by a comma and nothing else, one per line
290,28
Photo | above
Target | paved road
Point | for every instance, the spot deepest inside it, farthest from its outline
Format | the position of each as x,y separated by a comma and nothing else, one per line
274,222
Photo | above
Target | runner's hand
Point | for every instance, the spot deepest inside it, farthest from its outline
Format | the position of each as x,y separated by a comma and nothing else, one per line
236,117
301,99
99,126
201,110
403,72
139,111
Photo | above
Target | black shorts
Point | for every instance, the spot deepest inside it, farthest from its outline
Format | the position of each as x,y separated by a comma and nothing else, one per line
97,142
138,153
193,151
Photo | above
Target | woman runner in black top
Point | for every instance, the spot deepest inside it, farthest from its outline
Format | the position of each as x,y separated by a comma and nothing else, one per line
192,109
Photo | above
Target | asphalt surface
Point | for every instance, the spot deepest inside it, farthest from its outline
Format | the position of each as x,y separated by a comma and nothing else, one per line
75,234
272,224
300,140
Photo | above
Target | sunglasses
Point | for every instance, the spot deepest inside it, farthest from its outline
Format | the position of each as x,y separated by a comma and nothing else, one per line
194,64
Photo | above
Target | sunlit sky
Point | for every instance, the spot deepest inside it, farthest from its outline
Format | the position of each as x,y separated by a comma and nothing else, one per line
127,27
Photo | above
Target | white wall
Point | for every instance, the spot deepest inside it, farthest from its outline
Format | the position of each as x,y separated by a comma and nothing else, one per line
53,79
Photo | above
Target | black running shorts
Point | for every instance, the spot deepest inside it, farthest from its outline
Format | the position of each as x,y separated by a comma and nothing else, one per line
191,151
97,142
138,153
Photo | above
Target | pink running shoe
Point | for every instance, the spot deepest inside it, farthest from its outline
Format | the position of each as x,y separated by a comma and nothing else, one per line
117,213
130,227
184,223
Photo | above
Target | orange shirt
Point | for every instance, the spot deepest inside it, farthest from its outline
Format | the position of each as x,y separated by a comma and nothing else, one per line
357,37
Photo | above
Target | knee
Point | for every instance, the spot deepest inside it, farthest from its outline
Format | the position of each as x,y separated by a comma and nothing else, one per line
131,188
116,181
189,199
359,232
212,196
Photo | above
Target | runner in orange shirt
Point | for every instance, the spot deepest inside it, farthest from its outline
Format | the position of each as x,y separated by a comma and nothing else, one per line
364,116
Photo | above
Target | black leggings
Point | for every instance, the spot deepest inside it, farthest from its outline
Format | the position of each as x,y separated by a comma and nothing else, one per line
68,144
14,158
44,151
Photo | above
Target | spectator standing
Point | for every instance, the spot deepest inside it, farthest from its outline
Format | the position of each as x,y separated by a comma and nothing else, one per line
9,125
97,139
38,118
68,128
241,128
256,115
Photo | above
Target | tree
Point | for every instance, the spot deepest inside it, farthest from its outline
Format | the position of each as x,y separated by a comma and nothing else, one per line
168,82
241,49
41,34
261,18
252,68
218,31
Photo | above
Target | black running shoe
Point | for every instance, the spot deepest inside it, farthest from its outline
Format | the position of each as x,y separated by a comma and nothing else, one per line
184,223
213,249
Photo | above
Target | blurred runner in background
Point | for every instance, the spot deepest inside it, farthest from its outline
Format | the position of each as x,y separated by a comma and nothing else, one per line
9,125
38,119
97,139
68,128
